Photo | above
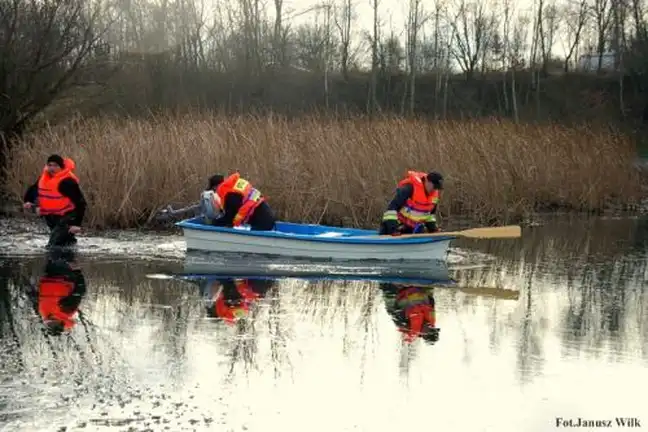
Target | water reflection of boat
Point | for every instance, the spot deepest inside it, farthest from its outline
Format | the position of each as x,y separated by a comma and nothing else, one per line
235,265
199,266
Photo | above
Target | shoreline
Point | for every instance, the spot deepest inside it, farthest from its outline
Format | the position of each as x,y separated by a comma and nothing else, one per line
455,223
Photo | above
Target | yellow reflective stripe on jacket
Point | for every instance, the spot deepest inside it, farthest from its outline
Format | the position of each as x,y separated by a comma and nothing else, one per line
390,215
417,216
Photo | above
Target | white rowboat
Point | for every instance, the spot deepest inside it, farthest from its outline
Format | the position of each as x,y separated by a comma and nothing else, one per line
314,241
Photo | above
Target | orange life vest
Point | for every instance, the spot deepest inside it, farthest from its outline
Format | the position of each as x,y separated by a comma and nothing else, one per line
230,313
417,208
50,291
417,310
50,200
252,198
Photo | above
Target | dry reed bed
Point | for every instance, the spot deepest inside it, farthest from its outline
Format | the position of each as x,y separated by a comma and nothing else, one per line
336,171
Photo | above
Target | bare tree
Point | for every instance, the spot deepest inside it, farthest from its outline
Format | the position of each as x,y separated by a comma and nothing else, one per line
415,20
575,14
507,12
278,46
550,26
601,11
619,43
45,47
343,21
472,31
372,100
639,18
517,49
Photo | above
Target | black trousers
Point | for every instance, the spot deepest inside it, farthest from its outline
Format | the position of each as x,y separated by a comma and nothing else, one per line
263,218
59,230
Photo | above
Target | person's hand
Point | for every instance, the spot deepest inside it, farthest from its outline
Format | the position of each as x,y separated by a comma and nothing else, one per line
74,229
28,205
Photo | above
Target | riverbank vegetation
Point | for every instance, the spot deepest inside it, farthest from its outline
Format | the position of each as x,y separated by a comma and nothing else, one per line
334,170
364,101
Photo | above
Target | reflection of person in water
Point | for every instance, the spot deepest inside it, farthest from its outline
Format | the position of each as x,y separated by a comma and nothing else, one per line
60,291
231,299
412,309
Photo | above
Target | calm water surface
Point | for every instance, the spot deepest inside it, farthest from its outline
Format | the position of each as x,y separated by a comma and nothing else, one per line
554,325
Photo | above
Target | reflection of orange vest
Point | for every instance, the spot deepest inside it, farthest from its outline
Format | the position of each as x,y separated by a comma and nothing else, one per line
50,200
230,313
50,291
252,198
417,208
417,310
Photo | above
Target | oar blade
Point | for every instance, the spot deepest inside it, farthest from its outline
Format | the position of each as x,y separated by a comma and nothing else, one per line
509,231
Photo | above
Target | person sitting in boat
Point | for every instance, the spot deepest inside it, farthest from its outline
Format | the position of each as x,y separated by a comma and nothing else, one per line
231,299
413,208
242,204
412,309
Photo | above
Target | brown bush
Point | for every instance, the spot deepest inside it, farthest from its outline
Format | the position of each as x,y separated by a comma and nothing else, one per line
334,171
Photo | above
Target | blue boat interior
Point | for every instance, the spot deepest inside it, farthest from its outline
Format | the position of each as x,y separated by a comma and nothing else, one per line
311,232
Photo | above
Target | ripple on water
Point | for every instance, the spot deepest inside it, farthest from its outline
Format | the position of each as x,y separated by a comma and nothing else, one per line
327,355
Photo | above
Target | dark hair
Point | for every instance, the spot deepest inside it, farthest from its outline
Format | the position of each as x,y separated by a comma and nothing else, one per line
436,179
214,181
58,160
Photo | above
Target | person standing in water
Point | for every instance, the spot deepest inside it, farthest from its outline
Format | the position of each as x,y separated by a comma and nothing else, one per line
59,199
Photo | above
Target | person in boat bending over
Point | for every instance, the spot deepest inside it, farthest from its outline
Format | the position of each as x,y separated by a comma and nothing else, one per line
412,309
413,208
60,200
241,204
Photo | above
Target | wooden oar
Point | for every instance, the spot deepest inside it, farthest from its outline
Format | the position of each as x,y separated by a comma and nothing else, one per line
501,293
509,231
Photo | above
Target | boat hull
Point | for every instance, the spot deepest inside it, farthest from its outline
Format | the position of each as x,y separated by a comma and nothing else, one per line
314,241
232,265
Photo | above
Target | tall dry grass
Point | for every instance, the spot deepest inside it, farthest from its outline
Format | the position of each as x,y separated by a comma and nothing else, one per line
333,171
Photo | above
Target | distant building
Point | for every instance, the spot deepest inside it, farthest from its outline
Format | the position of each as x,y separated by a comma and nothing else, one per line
590,62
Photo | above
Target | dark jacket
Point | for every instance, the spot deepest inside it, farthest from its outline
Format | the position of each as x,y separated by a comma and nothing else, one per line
262,218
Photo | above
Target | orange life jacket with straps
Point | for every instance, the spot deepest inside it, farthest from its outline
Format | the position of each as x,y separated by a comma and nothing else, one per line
230,313
417,208
50,292
252,198
417,309
50,200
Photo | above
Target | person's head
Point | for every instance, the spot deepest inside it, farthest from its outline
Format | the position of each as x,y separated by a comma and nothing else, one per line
55,164
214,181
433,181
